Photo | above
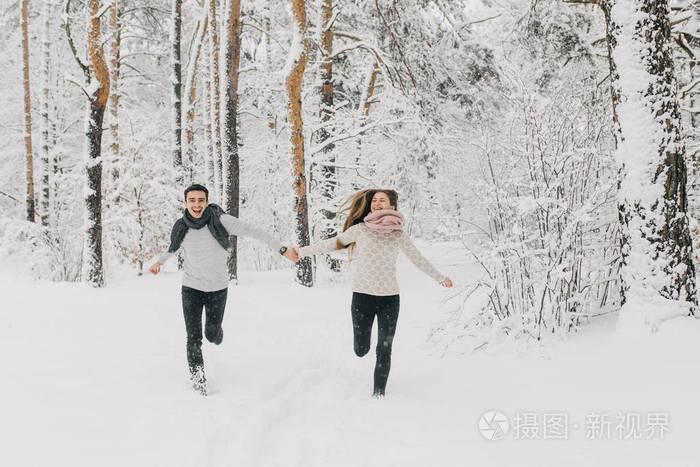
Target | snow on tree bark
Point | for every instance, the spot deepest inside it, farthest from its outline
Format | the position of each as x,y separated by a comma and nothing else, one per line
45,191
657,250
97,89
209,164
176,35
114,97
328,176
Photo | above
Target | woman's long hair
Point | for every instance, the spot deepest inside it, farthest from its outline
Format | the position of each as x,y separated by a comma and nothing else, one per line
359,205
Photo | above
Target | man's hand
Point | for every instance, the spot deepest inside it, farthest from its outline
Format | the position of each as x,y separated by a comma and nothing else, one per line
292,254
155,269
447,283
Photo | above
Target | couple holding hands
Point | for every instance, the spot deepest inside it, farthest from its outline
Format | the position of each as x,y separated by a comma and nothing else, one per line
372,233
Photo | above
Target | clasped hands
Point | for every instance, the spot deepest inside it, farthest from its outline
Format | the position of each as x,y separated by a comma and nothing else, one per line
292,254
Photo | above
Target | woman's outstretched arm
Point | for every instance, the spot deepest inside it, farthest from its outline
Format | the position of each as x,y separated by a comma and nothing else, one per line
335,243
420,261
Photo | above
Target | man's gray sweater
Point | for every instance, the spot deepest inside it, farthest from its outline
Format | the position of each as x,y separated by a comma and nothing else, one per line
205,259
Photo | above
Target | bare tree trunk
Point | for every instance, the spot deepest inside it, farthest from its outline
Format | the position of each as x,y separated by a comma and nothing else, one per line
29,154
215,100
176,35
232,169
657,258
45,193
294,82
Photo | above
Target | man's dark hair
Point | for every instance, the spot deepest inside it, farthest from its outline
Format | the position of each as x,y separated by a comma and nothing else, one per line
197,187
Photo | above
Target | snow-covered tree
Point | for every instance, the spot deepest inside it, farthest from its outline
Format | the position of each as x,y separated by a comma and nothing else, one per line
657,249
96,89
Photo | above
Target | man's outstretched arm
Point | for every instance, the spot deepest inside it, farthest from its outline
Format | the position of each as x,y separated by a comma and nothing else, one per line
155,267
239,228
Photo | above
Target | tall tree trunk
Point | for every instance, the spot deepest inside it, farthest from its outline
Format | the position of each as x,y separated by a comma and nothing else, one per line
272,144
191,92
28,151
329,179
366,99
93,270
657,257
209,164
176,35
215,99
296,64
610,36
45,193
368,92
232,169
56,153
114,97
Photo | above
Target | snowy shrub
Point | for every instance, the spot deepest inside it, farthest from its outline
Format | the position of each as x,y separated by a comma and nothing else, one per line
144,201
549,244
45,253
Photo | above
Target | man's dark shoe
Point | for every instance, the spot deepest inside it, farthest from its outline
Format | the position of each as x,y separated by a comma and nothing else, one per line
198,379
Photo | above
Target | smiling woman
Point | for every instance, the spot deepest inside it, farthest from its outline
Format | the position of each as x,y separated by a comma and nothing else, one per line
373,233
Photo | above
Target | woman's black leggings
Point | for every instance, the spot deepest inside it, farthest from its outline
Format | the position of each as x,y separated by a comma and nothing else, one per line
386,309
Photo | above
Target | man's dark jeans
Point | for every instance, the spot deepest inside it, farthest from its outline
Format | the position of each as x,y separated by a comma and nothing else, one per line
214,304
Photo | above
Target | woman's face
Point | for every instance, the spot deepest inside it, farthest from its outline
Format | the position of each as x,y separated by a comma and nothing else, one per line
380,200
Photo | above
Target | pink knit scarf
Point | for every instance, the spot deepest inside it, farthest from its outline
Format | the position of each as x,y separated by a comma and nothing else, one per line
385,220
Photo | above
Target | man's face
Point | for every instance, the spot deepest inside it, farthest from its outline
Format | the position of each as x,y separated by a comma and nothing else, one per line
196,203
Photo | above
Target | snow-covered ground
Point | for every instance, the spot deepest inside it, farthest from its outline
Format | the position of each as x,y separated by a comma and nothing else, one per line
98,378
